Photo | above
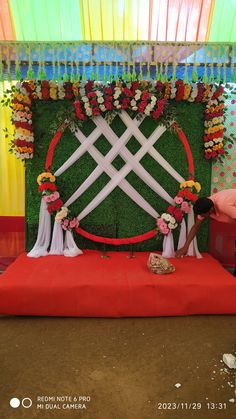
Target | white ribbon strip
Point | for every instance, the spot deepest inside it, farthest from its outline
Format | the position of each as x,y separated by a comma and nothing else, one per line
124,185
78,153
121,174
129,158
99,170
182,234
44,233
168,246
152,151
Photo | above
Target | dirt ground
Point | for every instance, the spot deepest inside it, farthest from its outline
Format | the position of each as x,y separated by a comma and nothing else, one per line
117,368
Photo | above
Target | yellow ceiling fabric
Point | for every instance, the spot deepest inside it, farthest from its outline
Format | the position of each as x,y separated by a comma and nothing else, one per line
12,172
153,20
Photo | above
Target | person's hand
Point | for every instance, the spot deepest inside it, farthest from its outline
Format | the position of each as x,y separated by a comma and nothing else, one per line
181,252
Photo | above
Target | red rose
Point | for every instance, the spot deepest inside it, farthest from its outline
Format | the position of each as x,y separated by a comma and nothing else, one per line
108,105
178,214
47,185
108,90
171,209
91,94
135,85
93,102
54,206
96,111
45,93
89,85
44,84
128,92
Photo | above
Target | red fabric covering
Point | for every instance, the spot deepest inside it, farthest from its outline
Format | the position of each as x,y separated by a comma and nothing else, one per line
90,286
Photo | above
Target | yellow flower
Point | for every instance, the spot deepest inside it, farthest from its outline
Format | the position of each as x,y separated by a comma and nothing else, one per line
46,175
197,186
187,90
183,184
190,183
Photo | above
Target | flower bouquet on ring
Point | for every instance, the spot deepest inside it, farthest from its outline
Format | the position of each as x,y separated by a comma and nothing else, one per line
67,221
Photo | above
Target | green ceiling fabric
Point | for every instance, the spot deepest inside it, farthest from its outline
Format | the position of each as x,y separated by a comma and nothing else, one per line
47,20
223,28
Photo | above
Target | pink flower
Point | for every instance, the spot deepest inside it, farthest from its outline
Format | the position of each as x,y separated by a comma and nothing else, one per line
54,196
178,200
165,230
185,207
66,222
64,227
74,223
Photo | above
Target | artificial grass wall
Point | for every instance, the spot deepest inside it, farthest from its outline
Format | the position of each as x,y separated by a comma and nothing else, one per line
117,215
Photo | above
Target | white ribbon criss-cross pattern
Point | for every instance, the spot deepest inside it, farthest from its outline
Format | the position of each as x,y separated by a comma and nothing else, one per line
104,164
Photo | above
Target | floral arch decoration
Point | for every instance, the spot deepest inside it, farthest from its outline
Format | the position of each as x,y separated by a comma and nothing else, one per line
140,97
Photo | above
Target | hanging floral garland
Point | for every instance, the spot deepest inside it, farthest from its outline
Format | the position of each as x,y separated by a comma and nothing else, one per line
143,97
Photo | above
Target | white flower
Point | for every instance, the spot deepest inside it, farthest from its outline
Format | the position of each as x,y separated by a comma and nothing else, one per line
61,214
89,112
87,105
116,103
172,220
82,92
134,108
138,92
147,112
98,93
137,97
166,216
85,99
102,107
133,102
100,99
172,226
118,106
153,99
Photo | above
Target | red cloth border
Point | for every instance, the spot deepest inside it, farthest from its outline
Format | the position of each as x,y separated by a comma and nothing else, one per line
12,223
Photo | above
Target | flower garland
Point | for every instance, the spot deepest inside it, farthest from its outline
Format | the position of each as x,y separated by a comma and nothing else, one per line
186,196
51,196
94,98
214,126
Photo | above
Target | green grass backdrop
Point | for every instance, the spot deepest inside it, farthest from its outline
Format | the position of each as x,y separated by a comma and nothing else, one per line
117,215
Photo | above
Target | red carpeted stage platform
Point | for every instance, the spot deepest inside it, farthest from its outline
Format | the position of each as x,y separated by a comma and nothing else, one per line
90,286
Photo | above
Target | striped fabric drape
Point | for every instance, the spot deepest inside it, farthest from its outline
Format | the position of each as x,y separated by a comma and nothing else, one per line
113,20
12,172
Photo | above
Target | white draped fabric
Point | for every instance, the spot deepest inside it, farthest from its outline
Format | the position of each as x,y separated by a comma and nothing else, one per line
168,246
44,233
182,234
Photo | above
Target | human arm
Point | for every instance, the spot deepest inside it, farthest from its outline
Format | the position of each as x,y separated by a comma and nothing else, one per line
192,233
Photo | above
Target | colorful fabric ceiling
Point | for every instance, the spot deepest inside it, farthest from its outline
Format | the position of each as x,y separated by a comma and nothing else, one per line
117,20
